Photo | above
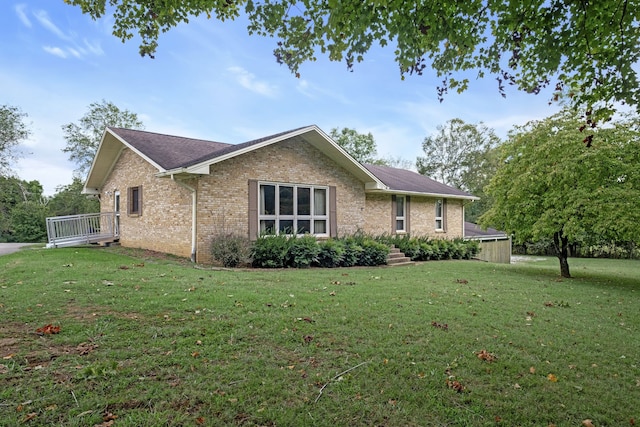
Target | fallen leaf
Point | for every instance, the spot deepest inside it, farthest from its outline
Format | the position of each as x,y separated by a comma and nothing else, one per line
553,379
195,354
587,423
200,420
485,355
29,417
109,416
9,356
532,370
48,330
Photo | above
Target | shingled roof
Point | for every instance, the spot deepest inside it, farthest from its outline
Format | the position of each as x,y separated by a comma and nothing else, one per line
169,151
179,155
406,181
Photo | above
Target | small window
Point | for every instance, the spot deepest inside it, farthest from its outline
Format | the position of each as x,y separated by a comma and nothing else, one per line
400,213
439,216
135,201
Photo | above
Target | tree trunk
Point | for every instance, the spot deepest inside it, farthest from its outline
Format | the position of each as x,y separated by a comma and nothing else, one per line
562,251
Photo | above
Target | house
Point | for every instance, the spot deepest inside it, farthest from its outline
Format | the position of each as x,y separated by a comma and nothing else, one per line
172,194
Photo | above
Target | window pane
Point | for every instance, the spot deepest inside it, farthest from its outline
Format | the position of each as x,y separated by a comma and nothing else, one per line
286,200
319,202
439,224
304,201
304,226
268,226
135,200
267,200
399,206
438,208
286,226
400,224
320,226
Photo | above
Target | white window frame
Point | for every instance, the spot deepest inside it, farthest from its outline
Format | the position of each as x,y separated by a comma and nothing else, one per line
439,216
277,217
402,217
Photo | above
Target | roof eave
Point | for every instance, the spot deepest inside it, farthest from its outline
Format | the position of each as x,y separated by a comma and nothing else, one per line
424,194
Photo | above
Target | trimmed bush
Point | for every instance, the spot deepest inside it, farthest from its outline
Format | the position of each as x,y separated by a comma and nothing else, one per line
331,253
352,252
303,251
270,251
373,253
230,249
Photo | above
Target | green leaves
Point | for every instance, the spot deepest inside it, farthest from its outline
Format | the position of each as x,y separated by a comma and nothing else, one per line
551,185
585,51
84,137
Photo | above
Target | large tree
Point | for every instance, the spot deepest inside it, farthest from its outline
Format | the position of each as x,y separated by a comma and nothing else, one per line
361,146
549,187
364,149
69,200
22,210
13,131
84,137
456,152
585,50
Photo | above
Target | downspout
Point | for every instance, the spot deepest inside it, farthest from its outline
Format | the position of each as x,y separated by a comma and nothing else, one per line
194,215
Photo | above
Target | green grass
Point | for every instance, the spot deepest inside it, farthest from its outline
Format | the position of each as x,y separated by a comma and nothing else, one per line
156,342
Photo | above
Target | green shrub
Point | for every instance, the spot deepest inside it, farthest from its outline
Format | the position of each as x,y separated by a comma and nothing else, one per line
270,251
302,251
373,253
230,249
331,253
352,252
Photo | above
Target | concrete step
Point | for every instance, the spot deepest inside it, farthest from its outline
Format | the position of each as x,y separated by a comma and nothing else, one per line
397,258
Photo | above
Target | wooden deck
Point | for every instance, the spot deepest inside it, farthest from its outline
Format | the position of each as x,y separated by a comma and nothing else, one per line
75,230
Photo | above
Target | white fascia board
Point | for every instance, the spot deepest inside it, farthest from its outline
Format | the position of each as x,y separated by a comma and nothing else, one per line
417,193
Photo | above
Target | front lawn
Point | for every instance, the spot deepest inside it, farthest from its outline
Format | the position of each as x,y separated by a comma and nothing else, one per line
153,341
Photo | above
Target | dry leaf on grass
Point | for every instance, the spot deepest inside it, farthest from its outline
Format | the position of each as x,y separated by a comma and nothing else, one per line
48,330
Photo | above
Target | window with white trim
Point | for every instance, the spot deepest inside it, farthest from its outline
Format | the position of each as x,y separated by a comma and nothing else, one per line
293,209
400,213
439,215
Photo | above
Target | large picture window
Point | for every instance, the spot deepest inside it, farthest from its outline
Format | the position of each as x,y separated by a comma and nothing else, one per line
293,209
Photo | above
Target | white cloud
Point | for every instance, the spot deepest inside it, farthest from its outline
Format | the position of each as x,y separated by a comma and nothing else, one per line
56,51
249,81
44,20
20,11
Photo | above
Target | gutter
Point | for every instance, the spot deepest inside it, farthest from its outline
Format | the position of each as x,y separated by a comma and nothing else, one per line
194,215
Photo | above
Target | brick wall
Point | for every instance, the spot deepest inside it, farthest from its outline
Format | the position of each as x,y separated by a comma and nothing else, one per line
223,195
165,222
422,216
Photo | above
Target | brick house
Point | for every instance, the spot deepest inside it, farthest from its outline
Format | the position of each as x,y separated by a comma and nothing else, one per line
172,194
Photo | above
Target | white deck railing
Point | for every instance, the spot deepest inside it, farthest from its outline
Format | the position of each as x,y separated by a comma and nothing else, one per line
72,230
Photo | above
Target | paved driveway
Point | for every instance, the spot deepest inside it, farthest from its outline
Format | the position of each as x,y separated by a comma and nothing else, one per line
8,248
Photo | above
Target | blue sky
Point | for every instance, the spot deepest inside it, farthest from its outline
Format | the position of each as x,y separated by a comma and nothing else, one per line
212,80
